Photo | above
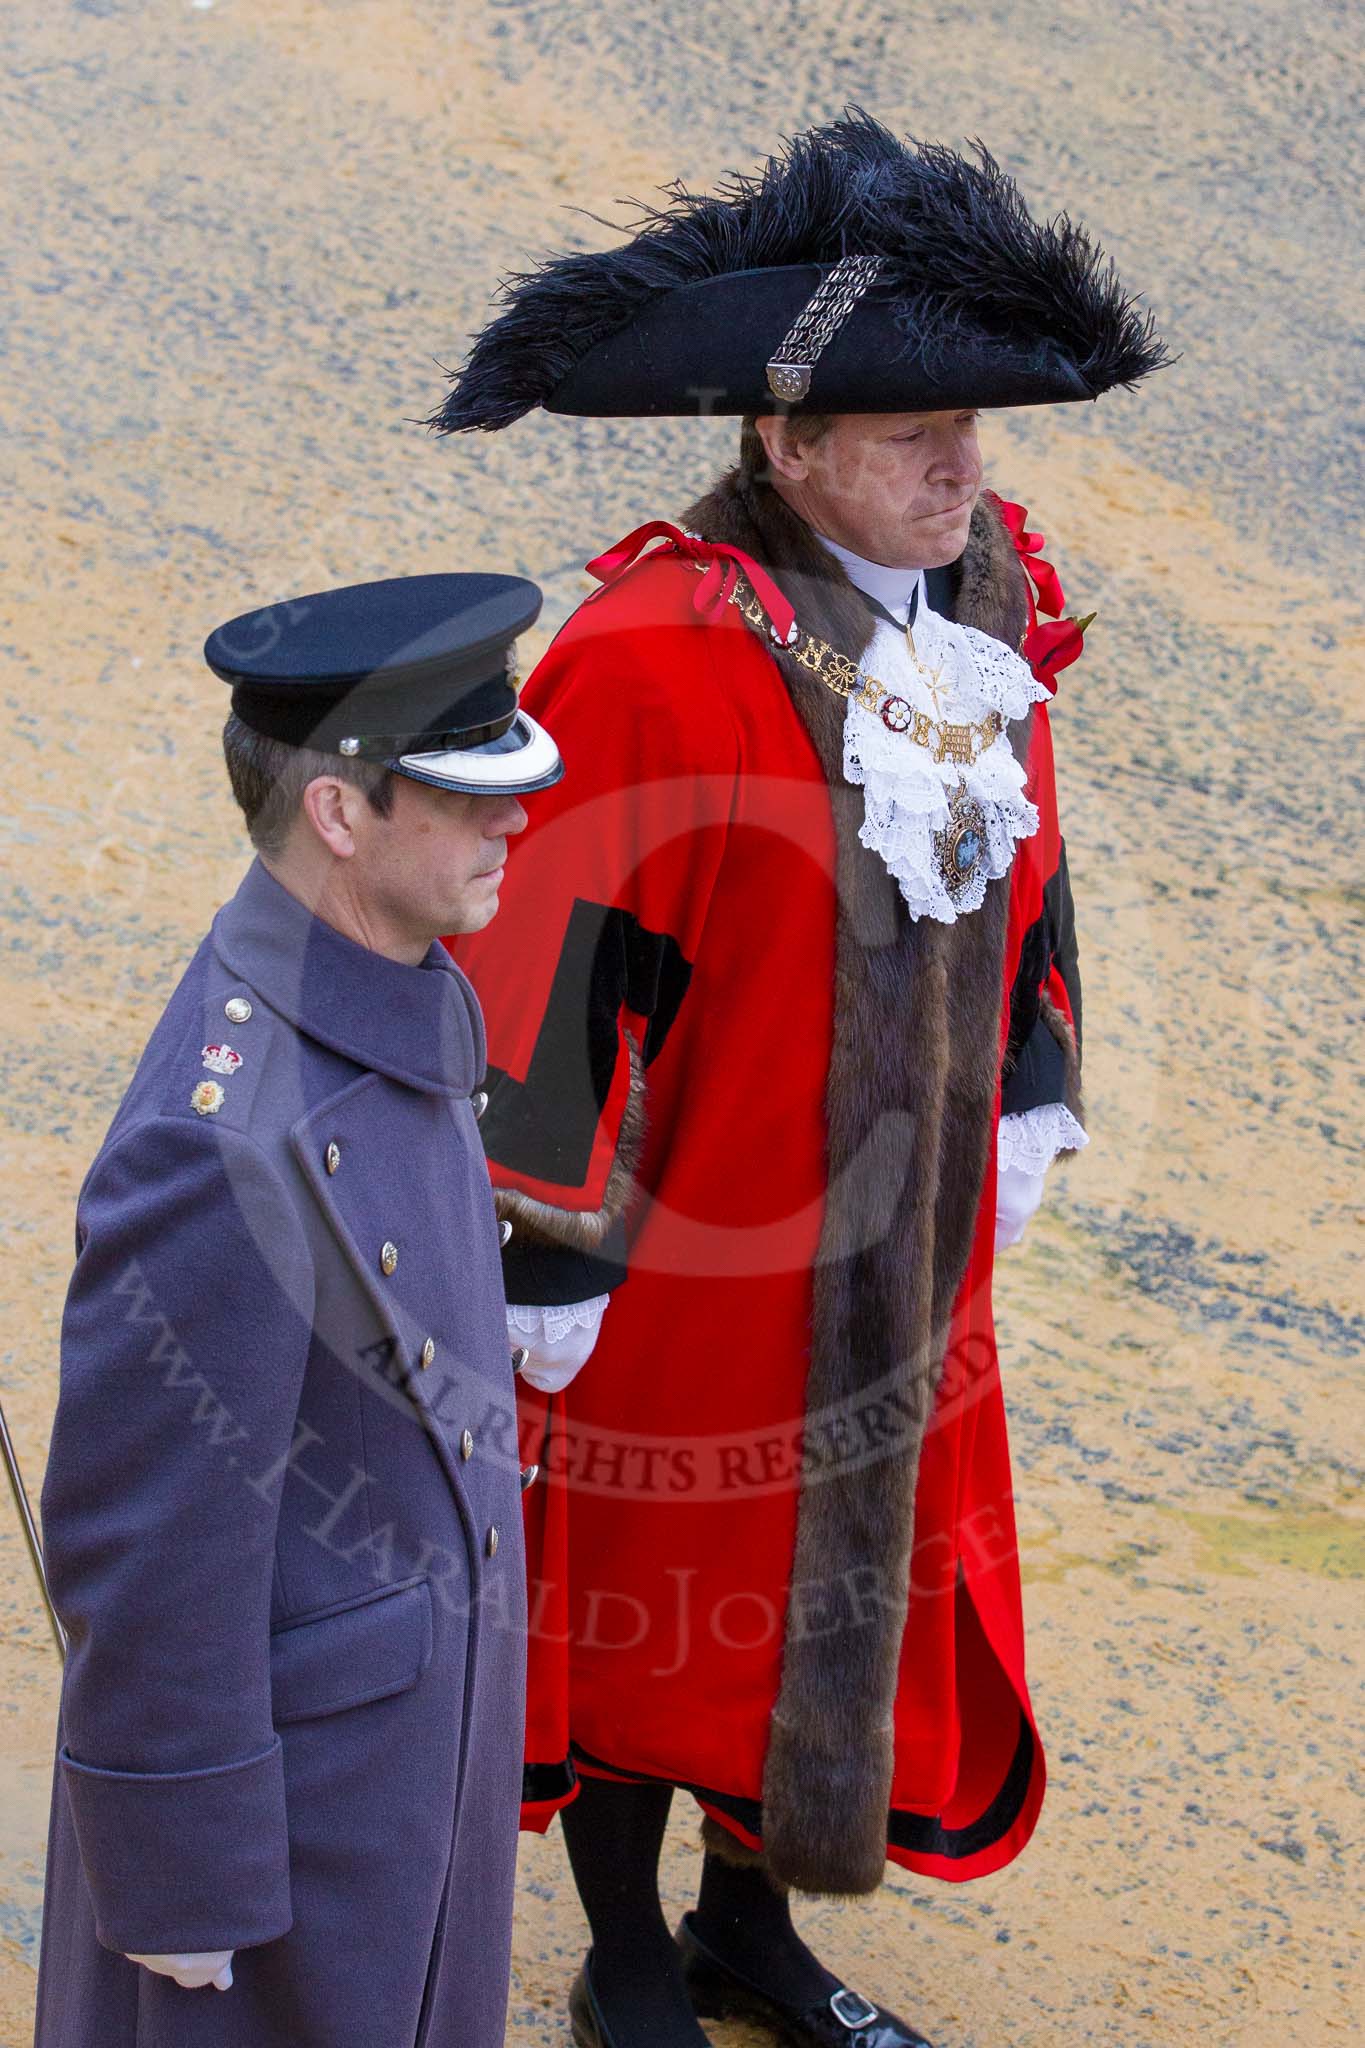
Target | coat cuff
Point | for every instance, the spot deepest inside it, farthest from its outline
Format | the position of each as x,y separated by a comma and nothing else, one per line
550,1275
184,1861
1046,1067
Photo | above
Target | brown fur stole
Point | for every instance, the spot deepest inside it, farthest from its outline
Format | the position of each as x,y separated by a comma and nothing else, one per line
911,1088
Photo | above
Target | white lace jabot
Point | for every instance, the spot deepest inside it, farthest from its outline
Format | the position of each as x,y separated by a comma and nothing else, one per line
906,792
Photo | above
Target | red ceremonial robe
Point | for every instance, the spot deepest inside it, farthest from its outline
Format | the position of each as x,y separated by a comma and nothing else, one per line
667,937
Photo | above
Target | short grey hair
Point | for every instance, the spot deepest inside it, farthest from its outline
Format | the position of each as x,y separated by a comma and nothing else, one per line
268,780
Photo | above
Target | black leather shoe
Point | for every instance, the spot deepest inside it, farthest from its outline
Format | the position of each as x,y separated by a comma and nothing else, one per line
585,2014
843,2020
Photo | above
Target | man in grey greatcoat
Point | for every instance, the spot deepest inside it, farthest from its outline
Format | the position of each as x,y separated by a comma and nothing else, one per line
282,1506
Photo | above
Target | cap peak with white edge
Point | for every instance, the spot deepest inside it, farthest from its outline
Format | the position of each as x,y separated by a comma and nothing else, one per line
481,771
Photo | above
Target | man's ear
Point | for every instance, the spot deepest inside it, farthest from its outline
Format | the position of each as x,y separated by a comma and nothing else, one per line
327,809
784,452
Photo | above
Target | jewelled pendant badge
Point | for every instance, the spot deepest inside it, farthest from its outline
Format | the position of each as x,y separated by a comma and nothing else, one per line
961,845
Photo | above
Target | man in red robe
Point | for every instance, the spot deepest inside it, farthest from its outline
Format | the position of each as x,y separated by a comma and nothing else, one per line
783,1024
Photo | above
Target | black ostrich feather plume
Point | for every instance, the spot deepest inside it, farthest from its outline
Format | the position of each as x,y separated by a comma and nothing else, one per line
963,261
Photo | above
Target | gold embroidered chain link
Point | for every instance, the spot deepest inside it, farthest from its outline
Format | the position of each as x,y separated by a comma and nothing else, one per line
963,745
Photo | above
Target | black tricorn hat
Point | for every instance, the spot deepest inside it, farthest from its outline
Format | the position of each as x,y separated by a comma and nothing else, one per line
854,273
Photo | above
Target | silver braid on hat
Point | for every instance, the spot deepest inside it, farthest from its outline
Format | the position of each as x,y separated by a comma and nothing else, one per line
815,326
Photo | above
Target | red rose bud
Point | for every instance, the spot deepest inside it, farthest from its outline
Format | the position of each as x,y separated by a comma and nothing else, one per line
1051,648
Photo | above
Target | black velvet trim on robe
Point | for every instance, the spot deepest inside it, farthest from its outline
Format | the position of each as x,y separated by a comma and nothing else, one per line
916,1834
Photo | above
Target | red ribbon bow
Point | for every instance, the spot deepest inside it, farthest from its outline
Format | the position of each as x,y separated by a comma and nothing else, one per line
1047,649
723,568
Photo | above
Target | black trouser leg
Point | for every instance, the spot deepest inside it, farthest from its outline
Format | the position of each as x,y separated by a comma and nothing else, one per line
614,1834
744,1920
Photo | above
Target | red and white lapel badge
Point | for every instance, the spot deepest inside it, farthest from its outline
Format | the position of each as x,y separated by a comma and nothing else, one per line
221,1059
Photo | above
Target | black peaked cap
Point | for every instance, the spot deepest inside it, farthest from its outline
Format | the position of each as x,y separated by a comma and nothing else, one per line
975,302
406,671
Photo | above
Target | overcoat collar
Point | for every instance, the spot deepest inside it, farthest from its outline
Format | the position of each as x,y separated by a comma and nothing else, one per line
419,1025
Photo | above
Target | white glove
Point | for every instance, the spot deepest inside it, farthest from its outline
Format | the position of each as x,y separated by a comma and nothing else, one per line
1017,1195
559,1340
193,1972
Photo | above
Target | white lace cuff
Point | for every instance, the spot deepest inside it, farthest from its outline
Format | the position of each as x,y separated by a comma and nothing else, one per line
1031,1140
550,1324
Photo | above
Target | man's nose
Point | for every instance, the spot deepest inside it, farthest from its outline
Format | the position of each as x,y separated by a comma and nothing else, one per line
960,457
509,817
960,460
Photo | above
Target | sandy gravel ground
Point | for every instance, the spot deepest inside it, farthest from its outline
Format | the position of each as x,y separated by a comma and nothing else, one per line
240,231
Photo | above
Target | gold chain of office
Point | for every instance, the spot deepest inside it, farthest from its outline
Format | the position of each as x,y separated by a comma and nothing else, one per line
963,745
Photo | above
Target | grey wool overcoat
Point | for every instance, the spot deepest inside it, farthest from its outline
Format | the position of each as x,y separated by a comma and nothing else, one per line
282,1520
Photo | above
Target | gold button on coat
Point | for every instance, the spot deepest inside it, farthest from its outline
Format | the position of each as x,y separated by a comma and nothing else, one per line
504,1233
388,1256
332,1157
492,1544
237,1009
428,1353
478,1102
466,1446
